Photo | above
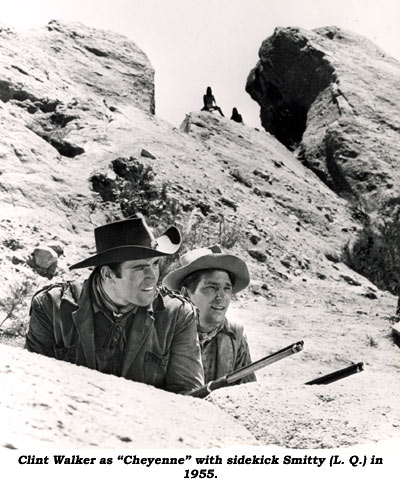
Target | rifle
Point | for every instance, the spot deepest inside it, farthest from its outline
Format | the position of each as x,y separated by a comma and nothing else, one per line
339,374
234,376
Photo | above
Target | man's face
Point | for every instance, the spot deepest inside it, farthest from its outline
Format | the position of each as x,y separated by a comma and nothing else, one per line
137,283
212,297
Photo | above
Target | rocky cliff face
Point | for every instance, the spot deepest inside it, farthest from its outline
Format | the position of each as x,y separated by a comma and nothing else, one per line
65,61
72,141
331,94
60,88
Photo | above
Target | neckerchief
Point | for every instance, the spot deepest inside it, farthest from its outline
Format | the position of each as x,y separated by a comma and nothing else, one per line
116,335
104,300
205,337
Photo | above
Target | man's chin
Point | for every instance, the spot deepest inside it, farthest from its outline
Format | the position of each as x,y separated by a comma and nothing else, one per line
217,317
146,298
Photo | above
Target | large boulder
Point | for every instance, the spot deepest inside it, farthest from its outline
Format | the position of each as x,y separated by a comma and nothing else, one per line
48,67
335,92
334,95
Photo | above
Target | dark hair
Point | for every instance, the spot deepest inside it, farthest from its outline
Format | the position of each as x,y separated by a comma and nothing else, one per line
115,268
191,281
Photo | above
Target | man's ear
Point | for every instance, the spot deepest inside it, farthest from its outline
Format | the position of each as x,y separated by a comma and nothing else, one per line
106,273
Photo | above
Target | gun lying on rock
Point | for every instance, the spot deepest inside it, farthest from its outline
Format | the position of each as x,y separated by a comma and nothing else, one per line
339,374
234,376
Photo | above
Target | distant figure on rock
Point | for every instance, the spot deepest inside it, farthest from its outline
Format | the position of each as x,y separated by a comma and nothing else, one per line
210,103
236,116
120,321
210,278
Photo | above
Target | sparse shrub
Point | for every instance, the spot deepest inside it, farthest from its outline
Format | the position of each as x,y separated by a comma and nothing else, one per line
92,206
198,232
228,234
70,203
135,190
15,299
371,341
376,254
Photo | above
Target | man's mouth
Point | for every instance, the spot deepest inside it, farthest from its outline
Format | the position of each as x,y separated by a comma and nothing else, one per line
218,308
148,288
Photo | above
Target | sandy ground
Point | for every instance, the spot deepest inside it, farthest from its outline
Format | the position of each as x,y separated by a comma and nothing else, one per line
52,404
338,329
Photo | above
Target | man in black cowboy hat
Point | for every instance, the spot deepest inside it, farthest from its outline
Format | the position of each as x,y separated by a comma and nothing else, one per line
209,278
120,321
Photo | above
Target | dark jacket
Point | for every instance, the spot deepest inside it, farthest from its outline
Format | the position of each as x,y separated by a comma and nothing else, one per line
231,351
162,347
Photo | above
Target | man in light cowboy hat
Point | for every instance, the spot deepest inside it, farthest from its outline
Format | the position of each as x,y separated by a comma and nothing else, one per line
120,321
209,278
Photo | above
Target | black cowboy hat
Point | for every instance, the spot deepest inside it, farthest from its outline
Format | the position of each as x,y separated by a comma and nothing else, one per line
128,240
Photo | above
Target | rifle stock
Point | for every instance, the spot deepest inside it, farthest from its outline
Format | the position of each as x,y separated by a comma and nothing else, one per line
236,375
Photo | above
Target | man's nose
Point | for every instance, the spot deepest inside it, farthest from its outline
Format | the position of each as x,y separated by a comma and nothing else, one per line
151,272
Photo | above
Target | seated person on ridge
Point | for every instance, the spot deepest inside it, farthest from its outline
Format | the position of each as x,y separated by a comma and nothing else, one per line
236,116
209,278
209,102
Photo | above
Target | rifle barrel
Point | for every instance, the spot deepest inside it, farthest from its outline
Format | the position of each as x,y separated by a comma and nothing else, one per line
224,381
339,374
259,364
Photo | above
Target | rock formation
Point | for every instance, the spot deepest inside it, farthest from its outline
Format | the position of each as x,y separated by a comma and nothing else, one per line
331,94
70,142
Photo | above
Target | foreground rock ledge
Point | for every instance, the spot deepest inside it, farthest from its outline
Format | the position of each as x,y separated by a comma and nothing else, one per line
48,403
285,412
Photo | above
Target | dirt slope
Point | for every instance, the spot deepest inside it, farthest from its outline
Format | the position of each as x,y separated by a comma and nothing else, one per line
232,184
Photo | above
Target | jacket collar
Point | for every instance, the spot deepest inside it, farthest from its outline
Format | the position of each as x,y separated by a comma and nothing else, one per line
139,333
83,318
227,328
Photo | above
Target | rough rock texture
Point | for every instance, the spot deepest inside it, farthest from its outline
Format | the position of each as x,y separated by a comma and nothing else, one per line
50,404
334,91
334,94
74,61
233,184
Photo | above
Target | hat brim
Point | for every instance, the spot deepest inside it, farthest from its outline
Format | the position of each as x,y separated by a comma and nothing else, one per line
167,244
225,262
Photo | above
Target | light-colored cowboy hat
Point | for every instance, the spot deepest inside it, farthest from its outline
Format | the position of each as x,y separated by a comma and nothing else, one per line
209,258
128,240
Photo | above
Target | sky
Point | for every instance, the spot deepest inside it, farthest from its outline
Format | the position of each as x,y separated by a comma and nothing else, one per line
193,44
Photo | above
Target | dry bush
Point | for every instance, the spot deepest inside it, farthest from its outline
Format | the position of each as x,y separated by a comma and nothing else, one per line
13,302
135,190
200,231
376,254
